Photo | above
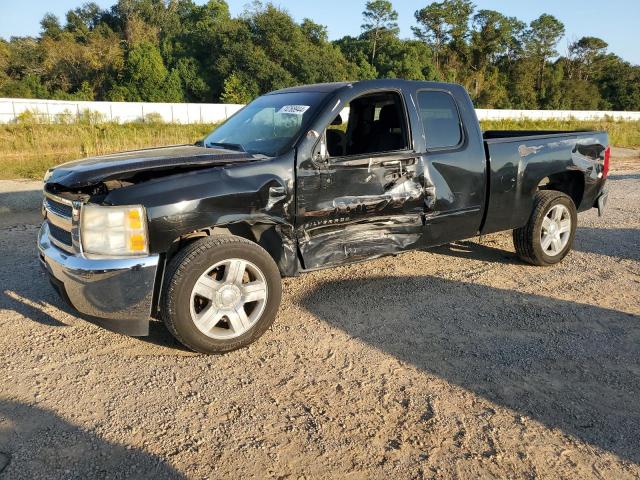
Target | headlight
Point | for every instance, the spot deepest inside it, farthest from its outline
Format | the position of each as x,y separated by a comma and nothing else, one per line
114,230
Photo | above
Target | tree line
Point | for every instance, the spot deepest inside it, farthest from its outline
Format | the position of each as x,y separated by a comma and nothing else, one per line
176,51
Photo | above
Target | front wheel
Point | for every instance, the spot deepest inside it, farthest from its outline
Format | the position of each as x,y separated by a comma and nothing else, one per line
221,293
548,235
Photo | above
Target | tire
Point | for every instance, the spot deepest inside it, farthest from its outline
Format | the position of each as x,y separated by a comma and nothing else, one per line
195,294
531,240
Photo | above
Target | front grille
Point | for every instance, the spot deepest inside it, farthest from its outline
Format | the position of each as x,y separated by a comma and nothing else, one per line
60,234
59,208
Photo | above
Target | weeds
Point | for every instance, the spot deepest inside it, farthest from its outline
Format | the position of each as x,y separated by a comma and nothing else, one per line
621,133
28,149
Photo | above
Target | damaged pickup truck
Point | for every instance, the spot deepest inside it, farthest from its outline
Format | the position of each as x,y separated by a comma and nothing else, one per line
300,179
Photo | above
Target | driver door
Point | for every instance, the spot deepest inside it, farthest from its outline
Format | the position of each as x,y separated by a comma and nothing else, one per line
361,196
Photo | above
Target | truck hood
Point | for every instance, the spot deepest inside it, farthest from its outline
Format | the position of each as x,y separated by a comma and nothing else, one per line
122,166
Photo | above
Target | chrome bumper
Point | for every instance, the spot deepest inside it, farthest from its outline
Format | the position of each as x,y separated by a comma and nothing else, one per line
117,293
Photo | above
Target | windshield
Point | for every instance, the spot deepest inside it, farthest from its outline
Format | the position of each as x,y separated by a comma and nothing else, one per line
268,125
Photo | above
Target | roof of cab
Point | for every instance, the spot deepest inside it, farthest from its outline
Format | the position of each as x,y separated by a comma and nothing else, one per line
316,87
335,86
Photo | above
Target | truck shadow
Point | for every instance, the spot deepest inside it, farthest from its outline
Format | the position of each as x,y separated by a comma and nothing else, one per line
27,292
25,287
625,176
621,243
34,440
24,201
567,365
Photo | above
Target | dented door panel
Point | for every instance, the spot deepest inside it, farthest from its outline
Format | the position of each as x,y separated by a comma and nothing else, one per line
454,194
454,178
366,238
359,208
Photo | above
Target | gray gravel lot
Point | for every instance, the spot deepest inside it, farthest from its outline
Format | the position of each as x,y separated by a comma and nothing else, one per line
459,362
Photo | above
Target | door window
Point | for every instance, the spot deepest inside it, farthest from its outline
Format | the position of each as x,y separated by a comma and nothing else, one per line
440,119
372,123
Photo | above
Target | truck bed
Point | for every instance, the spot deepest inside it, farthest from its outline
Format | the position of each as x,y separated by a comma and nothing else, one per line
520,162
495,136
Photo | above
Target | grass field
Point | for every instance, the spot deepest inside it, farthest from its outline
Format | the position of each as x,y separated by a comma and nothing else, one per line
621,133
27,150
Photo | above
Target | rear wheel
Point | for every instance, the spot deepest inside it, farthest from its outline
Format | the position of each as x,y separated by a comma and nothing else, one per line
221,293
548,235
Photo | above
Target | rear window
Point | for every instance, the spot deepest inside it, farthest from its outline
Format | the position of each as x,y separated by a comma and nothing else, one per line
440,119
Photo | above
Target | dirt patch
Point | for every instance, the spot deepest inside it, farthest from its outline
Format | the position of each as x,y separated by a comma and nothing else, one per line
625,158
460,362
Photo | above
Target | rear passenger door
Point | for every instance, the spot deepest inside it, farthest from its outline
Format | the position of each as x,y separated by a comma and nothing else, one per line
454,163
366,198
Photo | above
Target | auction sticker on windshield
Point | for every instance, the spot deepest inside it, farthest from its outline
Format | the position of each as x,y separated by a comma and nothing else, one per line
294,109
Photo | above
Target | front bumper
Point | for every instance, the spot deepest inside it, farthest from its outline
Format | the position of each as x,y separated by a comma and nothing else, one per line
116,293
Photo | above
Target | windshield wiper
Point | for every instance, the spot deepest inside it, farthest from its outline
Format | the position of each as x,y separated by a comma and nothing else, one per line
229,146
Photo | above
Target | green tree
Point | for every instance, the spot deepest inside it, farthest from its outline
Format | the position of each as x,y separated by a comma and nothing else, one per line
380,21
444,26
50,25
146,78
541,41
67,63
618,83
235,90
82,20
174,50
521,85
29,86
315,32
491,38
355,49
583,55
195,87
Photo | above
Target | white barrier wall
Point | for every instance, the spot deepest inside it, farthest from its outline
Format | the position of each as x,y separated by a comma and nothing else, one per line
489,114
60,110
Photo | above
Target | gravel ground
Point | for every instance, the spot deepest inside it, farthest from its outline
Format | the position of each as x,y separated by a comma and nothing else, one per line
460,362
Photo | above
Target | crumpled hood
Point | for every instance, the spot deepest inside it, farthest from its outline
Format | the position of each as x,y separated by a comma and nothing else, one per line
120,166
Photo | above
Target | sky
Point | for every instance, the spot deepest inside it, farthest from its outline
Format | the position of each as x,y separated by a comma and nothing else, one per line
615,21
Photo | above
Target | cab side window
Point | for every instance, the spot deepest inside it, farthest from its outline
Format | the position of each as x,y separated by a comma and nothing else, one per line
372,123
440,119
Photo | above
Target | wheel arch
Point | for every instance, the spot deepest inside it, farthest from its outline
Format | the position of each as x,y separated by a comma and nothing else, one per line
277,239
569,182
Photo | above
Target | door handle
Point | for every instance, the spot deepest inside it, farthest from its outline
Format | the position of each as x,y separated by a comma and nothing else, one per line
400,163
388,163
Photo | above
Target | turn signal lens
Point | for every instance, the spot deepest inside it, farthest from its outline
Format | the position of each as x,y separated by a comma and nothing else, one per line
137,243
607,158
116,231
135,221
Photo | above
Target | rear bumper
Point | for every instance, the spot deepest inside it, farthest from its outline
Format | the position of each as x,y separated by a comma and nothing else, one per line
601,202
115,293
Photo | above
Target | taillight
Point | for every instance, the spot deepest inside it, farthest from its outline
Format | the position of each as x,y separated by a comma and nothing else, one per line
605,167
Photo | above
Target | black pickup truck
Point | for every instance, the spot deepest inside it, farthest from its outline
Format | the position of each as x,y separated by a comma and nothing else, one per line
300,179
